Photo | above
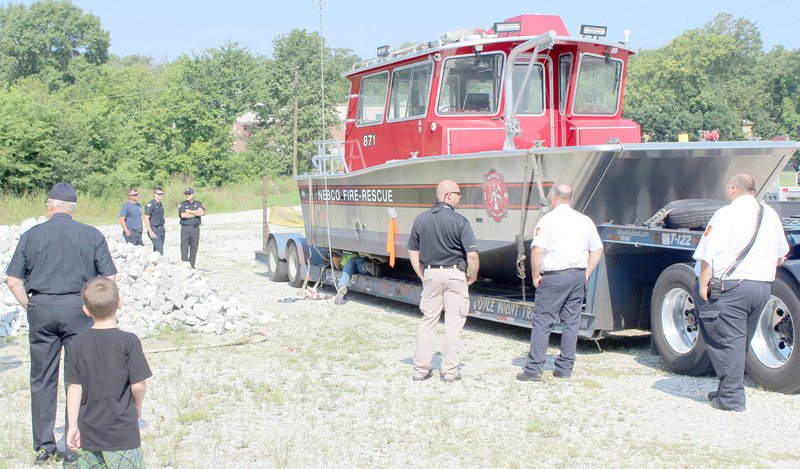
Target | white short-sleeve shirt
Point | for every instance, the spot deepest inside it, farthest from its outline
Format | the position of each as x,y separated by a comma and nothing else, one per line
566,236
729,232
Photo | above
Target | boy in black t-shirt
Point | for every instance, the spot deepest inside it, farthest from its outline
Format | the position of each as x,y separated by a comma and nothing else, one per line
106,372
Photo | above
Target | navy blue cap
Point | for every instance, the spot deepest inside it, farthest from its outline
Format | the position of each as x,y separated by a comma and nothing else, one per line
188,191
63,191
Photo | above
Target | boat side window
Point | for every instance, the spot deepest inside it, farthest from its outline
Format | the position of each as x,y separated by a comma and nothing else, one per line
372,99
564,75
471,84
533,93
411,87
598,87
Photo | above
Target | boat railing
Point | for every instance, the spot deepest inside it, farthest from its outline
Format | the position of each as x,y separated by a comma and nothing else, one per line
330,157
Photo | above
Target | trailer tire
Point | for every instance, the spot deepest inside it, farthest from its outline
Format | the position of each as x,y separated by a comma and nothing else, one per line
771,359
693,214
276,265
674,323
293,266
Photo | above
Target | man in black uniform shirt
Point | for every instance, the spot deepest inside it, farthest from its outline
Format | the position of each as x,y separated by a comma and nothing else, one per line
190,211
154,220
51,264
444,254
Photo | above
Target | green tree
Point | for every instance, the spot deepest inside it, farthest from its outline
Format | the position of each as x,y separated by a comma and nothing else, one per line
46,37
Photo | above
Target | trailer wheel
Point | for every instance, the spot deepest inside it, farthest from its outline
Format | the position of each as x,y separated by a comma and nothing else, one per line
675,324
771,360
293,266
691,213
276,265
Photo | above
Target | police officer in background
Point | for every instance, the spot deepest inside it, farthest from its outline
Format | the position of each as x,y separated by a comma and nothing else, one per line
130,218
441,247
190,211
728,323
154,220
51,264
565,251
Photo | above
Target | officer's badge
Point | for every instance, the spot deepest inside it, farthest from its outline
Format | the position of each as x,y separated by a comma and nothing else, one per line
537,231
708,230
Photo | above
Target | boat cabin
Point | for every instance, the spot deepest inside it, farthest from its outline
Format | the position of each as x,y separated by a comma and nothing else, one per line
525,82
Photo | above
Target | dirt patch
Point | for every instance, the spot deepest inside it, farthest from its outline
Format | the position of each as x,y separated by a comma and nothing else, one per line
331,387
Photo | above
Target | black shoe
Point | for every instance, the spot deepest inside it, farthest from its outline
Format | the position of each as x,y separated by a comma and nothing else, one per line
68,457
713,395
451,379
423,378
43,457
715,403
525,376
562,374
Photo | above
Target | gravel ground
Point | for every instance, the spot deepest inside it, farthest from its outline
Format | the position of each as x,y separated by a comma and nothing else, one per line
331,387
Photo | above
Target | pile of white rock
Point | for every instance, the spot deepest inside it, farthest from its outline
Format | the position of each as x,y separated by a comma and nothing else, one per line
156,291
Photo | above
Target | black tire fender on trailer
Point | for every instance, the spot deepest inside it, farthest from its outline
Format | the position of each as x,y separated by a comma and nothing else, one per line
293,266
693,214
771,359
674,323
277,266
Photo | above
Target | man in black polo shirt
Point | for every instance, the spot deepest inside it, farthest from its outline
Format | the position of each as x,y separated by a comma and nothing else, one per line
190,211
154,220
441,248
51,264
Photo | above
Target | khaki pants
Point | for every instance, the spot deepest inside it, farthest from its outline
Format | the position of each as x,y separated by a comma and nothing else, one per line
441,288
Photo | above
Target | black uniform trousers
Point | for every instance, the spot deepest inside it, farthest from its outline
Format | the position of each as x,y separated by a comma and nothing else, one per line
53,321
190,240
134,238
727,325
158,241
560,295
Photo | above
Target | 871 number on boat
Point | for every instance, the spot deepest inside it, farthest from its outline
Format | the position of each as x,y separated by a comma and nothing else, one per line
369,140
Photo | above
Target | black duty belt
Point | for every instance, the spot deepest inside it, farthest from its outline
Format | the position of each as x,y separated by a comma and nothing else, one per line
191,226
134,229
431,266
563,271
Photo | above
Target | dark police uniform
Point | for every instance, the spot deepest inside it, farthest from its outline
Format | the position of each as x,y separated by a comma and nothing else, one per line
567,237
443,239
55,259
190,231
727,323
155,210
132,212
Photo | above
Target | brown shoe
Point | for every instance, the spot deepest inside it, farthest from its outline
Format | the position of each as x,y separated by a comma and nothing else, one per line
524,376
423,378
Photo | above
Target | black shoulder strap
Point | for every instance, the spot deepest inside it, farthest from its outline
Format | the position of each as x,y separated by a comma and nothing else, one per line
746,249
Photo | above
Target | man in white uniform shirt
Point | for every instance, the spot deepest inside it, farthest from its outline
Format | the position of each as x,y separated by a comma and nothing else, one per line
728,323
566,249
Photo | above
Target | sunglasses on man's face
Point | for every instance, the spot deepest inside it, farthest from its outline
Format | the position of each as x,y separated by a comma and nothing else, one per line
158,193
133,195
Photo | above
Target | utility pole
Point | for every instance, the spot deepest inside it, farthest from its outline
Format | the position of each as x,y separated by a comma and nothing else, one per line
294,153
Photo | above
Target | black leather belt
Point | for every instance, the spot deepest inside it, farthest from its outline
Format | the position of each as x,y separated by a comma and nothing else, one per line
563,271
156,226
191,226
134,229
441,267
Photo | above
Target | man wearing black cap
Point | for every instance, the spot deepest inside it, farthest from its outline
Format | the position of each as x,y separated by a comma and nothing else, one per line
190,211
51,264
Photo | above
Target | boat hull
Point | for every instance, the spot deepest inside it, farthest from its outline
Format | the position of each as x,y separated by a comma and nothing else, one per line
501,195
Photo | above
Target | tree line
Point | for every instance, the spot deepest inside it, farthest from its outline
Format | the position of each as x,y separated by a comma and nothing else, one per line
69,110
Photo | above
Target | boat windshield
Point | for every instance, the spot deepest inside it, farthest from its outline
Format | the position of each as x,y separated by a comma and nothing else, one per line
598,87
471,84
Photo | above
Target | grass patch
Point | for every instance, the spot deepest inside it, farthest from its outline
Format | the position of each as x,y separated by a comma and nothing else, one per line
180,336
104,210
543,428
201,414
264,392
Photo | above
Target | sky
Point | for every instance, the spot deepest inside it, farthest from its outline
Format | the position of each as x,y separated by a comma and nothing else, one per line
165,29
